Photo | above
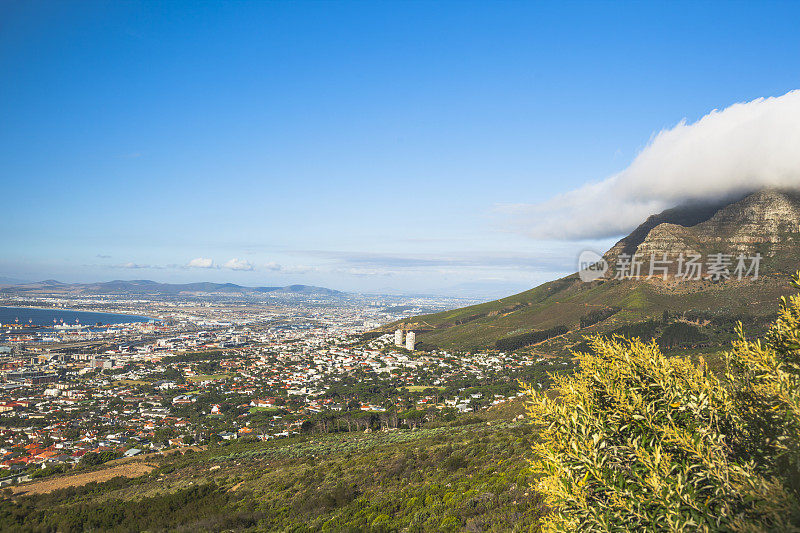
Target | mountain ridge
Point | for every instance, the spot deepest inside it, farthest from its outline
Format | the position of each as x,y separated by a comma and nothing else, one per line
739,226
765,222
149,287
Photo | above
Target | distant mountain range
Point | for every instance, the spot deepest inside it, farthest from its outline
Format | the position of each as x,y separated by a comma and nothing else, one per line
144,287
765,223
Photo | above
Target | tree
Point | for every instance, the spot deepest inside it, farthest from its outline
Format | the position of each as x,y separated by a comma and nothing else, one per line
163,434
413,417
639,441
94,458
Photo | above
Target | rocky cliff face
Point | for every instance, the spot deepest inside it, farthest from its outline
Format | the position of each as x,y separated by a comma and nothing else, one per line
764,217
765,222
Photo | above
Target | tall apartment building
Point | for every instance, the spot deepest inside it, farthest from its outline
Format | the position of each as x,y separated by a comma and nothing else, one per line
411,340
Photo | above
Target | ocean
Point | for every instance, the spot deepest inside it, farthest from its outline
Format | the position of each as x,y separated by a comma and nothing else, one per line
46,317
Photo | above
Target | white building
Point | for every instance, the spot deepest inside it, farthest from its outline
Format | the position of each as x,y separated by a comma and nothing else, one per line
411,340
398,337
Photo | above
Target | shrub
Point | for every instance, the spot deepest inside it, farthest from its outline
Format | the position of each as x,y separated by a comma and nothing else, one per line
526,339
94,458
454,462
765,382
645,330
598,315
638,441
681,334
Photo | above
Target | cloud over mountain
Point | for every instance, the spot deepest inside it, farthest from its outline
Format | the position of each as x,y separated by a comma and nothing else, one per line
740,149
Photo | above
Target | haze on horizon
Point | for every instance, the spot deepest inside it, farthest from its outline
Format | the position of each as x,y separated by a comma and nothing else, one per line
426,147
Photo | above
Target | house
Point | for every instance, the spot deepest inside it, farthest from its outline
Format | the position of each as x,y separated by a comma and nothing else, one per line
266,402
9,406
183,400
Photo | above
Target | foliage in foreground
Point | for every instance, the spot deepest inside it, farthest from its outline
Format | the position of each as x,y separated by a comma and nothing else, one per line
465,476
639,441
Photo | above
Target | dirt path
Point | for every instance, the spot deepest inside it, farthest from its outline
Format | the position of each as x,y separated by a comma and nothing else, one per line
124,466
130,469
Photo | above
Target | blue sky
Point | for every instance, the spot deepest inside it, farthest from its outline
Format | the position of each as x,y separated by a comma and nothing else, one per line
358,145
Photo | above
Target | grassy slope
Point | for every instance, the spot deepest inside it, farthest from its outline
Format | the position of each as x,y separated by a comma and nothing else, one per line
470,475
565,301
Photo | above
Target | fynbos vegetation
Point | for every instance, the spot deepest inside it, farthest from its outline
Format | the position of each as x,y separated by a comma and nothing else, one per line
639,441
527,339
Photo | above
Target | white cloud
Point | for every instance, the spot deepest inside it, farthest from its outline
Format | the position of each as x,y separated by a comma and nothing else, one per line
133,265
744,147
288,269
201,262
238,264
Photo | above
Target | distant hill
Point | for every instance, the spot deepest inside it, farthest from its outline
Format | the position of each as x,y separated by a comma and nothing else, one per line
147,287
765,222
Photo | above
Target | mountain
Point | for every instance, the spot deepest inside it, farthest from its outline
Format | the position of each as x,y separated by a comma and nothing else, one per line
765,223
145,287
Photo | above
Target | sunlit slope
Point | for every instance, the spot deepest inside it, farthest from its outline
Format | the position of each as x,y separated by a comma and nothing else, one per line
565,301
764,223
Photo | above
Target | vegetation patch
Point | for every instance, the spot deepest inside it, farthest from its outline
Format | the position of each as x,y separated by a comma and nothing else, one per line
208,377
598,315
526,339
639,441
463,477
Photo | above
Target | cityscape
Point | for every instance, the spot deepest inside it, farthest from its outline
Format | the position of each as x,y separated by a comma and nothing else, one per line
198,372
413,267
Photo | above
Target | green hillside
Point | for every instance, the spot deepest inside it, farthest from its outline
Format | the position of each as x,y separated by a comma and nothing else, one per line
566,301
469,475
764,223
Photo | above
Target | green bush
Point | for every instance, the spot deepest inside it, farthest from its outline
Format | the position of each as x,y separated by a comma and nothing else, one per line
526,339
638,441
644,331
681,334
598,315
94,458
